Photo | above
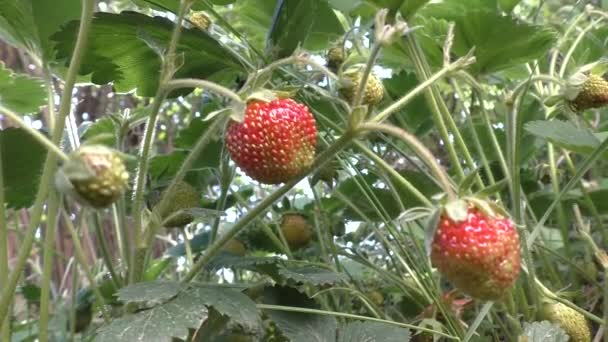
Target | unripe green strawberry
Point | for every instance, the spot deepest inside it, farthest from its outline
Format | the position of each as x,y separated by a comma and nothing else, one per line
573,322
235,247
335,57
593,94
183,197
200,20
276,141
374,90
95,175
478,254
296,230
376,297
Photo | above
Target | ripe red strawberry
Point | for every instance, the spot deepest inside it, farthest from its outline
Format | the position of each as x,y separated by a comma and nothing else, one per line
479,254
275,142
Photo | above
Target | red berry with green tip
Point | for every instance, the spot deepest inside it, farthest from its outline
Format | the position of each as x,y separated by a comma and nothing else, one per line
479,255
276,141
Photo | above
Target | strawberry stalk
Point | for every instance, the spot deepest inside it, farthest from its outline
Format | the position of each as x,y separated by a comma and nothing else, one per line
168,68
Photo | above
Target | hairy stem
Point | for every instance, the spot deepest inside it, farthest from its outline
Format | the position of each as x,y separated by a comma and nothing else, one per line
82,260
168,69
47,268
420,149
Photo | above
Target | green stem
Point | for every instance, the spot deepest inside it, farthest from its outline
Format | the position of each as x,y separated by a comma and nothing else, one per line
525,84
49,246
480,317
487,122
391,170
105,251
82,260
579,38
416,55
588,201
34,133
561,215
262,206
168,69
5,326
420,149
226,175
50,164
589,161
196,83
194,154
351,316
366,72
395,106
514,137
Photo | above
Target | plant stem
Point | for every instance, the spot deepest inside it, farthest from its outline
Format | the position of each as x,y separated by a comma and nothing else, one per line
105,251
268,201
579,38
395,106
196,83
34,133
480,317
366,72
391,170
5,324
597,153
202,142
514,137
416,55
45,287
420,149
588,201
351,316
168,68
82,260
50,164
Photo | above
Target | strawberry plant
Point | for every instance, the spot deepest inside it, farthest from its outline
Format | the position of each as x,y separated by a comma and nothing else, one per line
303,170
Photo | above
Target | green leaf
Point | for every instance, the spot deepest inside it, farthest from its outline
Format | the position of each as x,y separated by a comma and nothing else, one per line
508,5
564,134
352,189
160,323
409,7
151,291
104,127
116,53
372,331
187,310
544,331
22,161
228,302
345,6
21,93
310,274
302,327
310,23
28,24
416,114
500,41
